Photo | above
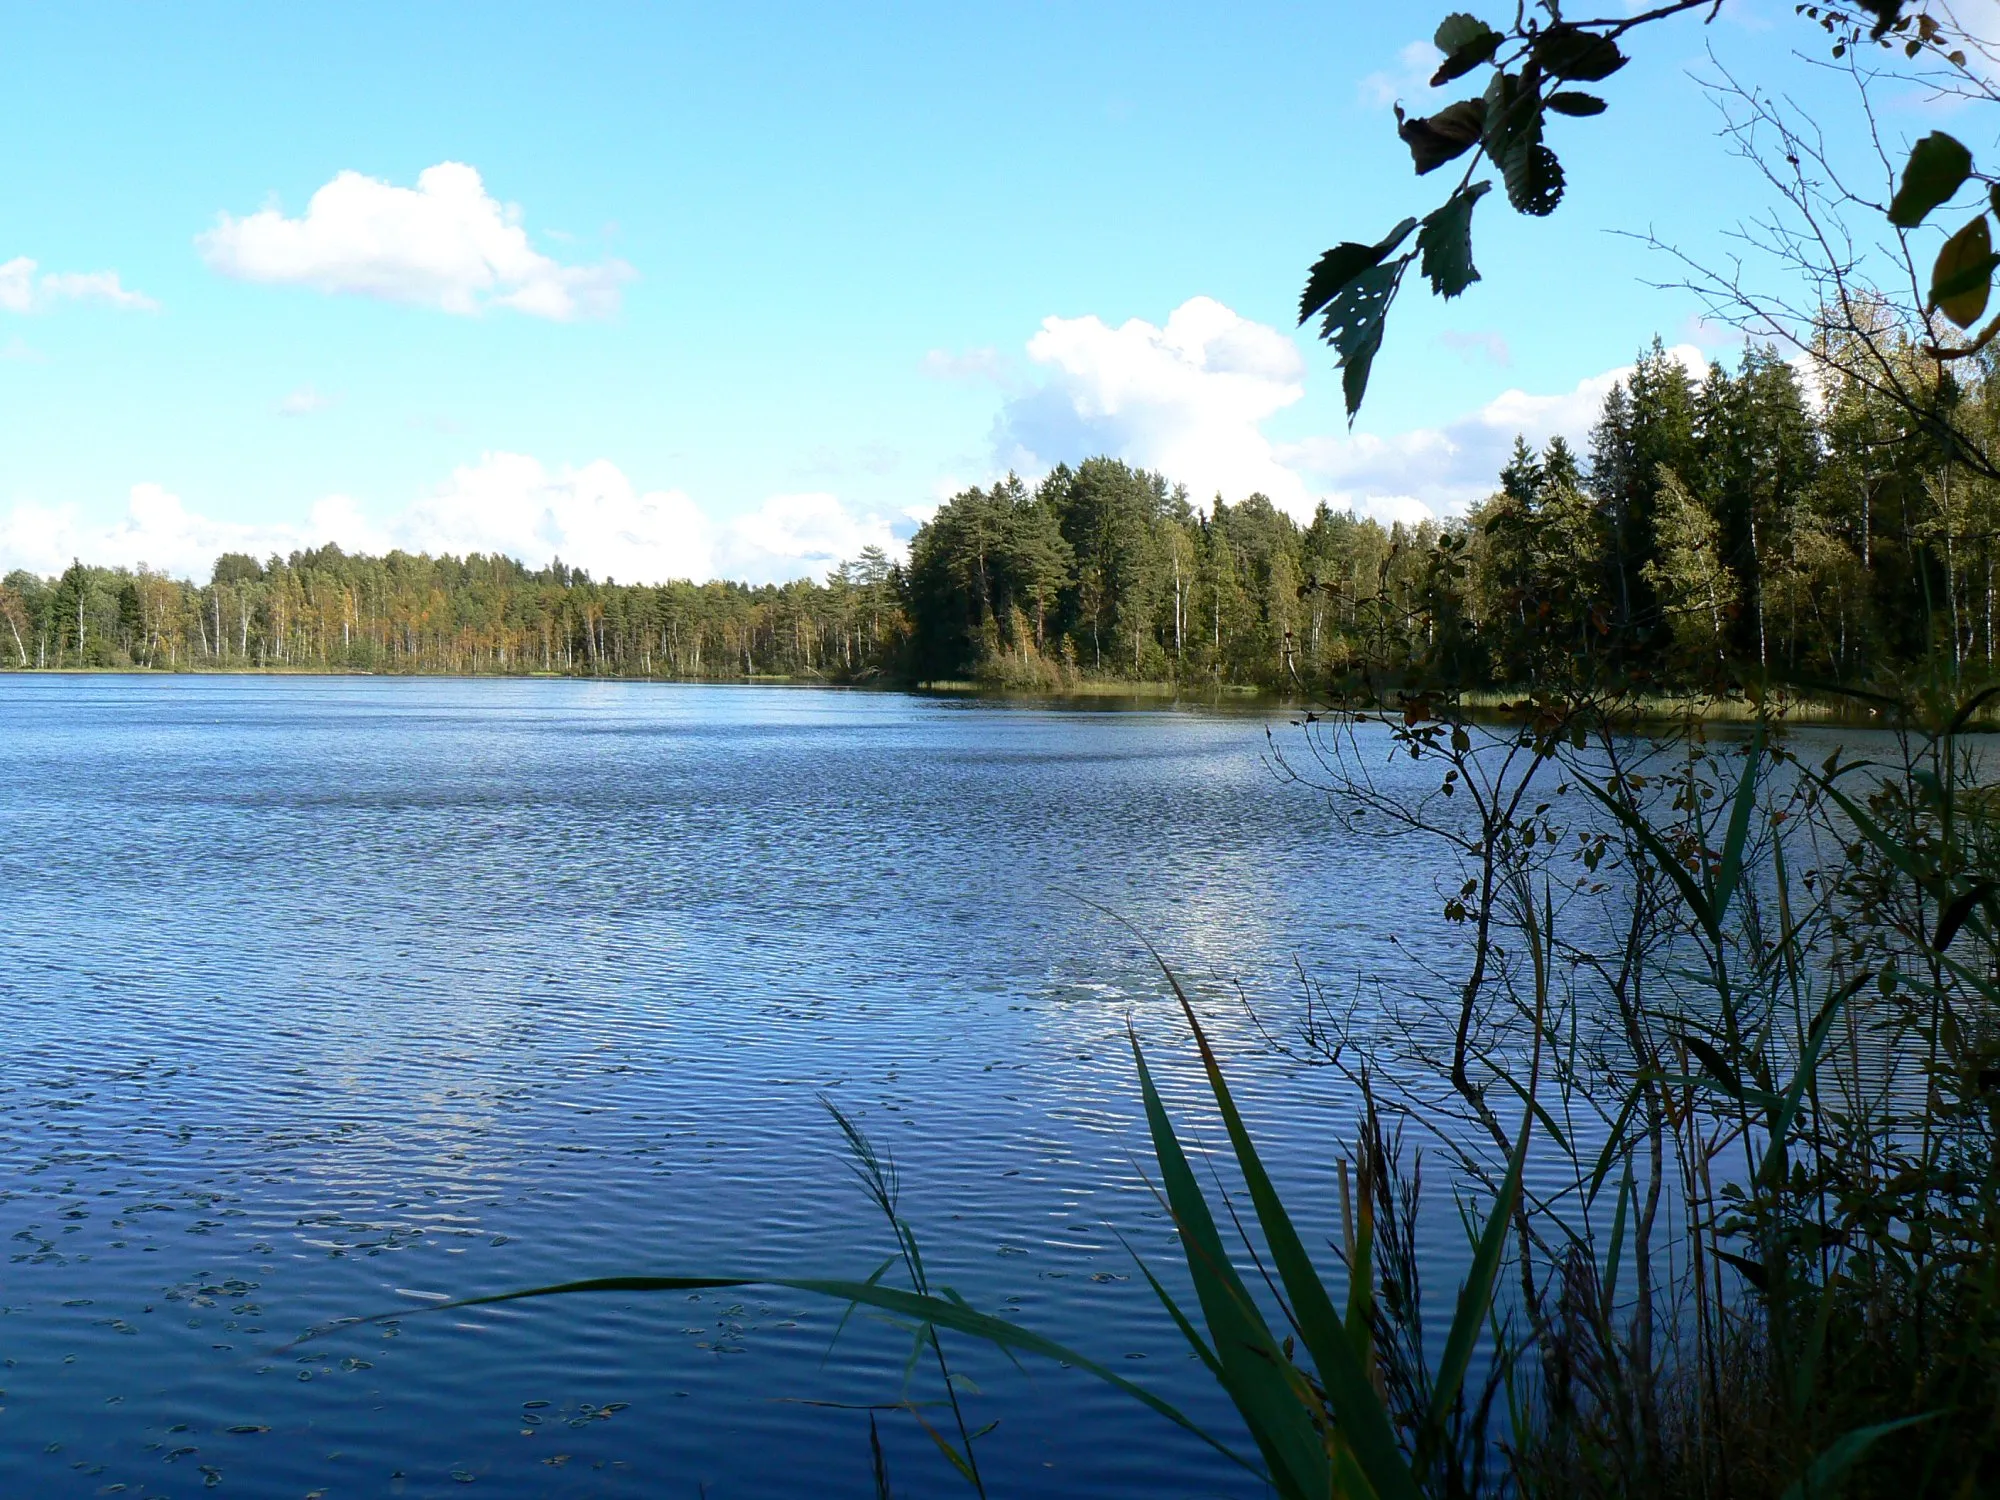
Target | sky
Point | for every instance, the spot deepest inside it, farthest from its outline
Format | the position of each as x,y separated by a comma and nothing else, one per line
737,291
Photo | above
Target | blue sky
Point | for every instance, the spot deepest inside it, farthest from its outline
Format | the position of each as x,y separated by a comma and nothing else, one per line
737,289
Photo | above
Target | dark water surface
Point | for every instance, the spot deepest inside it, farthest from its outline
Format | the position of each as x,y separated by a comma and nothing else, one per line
327,996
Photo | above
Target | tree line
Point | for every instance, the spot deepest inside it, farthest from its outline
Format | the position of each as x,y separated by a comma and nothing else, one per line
325,609
1751,524
1765,523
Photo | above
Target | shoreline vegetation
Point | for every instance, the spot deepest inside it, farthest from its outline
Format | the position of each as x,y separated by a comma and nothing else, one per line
1726,538
1477,706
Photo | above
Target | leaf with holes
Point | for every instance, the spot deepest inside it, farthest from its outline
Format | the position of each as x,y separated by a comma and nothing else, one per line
1342,264
1445,242
1353,325
1937,168
1435,139
1962,279
1534,179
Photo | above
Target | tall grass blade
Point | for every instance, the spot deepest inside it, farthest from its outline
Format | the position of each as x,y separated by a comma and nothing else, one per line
1475,1297
912,1305
1664,857
881,1464
1611,1258
1357,1408
1271,1395
1828,1472
1729,869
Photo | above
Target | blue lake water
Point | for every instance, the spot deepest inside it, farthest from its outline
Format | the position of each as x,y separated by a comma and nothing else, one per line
326,997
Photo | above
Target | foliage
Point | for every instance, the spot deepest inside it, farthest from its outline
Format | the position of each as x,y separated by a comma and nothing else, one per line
1762,1254
327,610
1531,68
1740,527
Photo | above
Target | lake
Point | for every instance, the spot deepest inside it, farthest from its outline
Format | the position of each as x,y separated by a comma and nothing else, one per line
335,996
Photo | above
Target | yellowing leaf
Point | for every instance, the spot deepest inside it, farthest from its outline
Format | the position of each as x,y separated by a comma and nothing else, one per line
1962,280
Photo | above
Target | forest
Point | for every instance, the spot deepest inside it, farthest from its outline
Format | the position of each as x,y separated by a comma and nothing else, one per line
1774,523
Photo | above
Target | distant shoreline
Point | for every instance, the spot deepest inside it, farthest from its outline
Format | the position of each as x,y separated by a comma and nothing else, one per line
1480,703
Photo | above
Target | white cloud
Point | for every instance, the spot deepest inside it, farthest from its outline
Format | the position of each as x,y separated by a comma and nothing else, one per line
446,243
1415,64
303,402
1187,399
592,517
791,536
1190,399
22,291
1440,471
160,532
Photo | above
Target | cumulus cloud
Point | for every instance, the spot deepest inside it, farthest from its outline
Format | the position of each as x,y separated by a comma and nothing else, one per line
23,291
446,243
1440,471
592,517
1190,399
1410,76
159,532
791,536
1187,399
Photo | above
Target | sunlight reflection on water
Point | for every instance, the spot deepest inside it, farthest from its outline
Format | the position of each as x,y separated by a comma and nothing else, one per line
324,992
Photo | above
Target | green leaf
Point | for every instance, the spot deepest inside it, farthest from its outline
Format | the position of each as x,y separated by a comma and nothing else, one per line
1613,1254
1466,42
1513,116
1475,1297
1566,51
1534,179
1718,1067
1572,102
1890,847
1445,242
1937,168
1961,908
912,1305
1787,1109
1661,855
1729,869
1353,324
1356,1407
1614,1144
1355,365
1823,1477
1340,265
1962,279
1751,1271
1436,139
1266,1388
